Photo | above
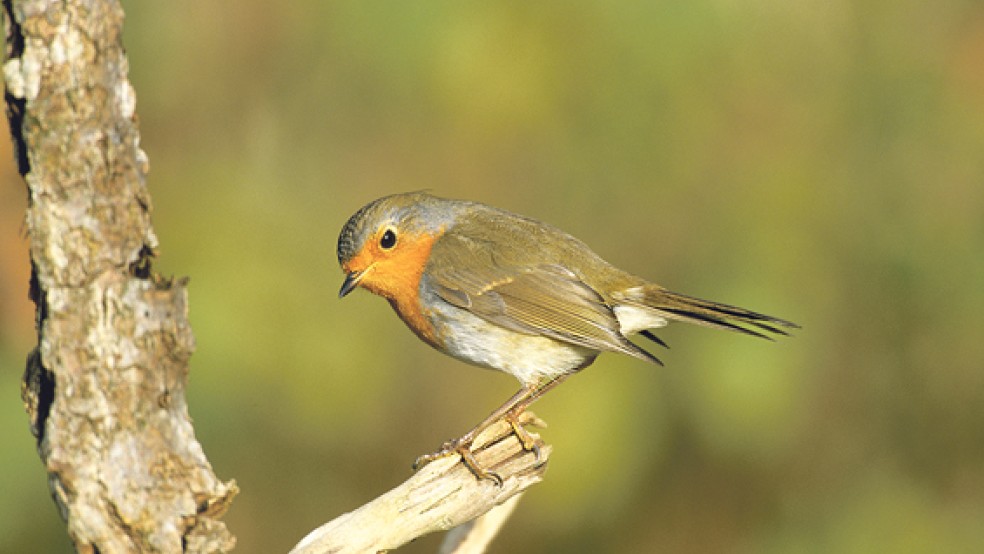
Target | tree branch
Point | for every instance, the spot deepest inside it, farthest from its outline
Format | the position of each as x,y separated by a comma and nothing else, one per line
105,386
442,495
476,535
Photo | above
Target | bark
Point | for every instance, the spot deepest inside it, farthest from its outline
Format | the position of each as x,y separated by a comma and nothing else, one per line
105,387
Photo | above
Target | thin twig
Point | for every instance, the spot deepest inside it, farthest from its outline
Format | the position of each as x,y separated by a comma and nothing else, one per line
474,537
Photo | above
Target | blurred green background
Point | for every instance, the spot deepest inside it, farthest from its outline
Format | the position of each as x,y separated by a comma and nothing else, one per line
819,161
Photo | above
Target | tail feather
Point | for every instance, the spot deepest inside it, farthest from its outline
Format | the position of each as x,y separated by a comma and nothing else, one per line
649,335
681,307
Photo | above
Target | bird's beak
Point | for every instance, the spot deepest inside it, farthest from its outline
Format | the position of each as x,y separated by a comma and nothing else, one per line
352,279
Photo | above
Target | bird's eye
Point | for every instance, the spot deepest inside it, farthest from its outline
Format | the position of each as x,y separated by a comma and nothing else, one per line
388,240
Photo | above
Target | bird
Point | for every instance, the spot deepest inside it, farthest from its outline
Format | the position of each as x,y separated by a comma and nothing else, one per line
511,293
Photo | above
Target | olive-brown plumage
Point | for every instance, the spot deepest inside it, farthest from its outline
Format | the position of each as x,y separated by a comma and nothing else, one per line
507,292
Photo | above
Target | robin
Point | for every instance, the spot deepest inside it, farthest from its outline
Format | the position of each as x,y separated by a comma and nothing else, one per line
506,292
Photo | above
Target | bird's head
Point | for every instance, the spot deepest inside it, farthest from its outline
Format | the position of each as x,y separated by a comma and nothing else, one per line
385,245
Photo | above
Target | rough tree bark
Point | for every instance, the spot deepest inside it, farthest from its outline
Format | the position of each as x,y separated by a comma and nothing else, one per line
105,387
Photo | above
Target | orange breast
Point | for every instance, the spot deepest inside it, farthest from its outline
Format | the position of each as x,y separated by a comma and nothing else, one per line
397,278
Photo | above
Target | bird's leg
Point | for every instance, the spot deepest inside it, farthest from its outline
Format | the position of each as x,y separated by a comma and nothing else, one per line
510,411
513,415
462,445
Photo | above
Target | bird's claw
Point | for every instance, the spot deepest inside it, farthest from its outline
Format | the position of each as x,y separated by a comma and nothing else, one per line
449,448
463,447
529,444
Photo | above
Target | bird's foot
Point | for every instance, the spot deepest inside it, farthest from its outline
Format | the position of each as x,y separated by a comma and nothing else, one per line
460,447
517,421
463,446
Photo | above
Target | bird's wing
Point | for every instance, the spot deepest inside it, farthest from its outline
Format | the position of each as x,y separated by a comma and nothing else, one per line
542,299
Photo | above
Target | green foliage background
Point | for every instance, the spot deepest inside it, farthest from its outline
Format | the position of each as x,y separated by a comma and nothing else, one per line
819,161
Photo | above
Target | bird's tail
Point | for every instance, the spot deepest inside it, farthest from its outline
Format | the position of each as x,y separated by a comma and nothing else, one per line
680,307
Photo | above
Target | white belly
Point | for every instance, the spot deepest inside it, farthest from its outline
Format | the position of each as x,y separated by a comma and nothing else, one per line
529,358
